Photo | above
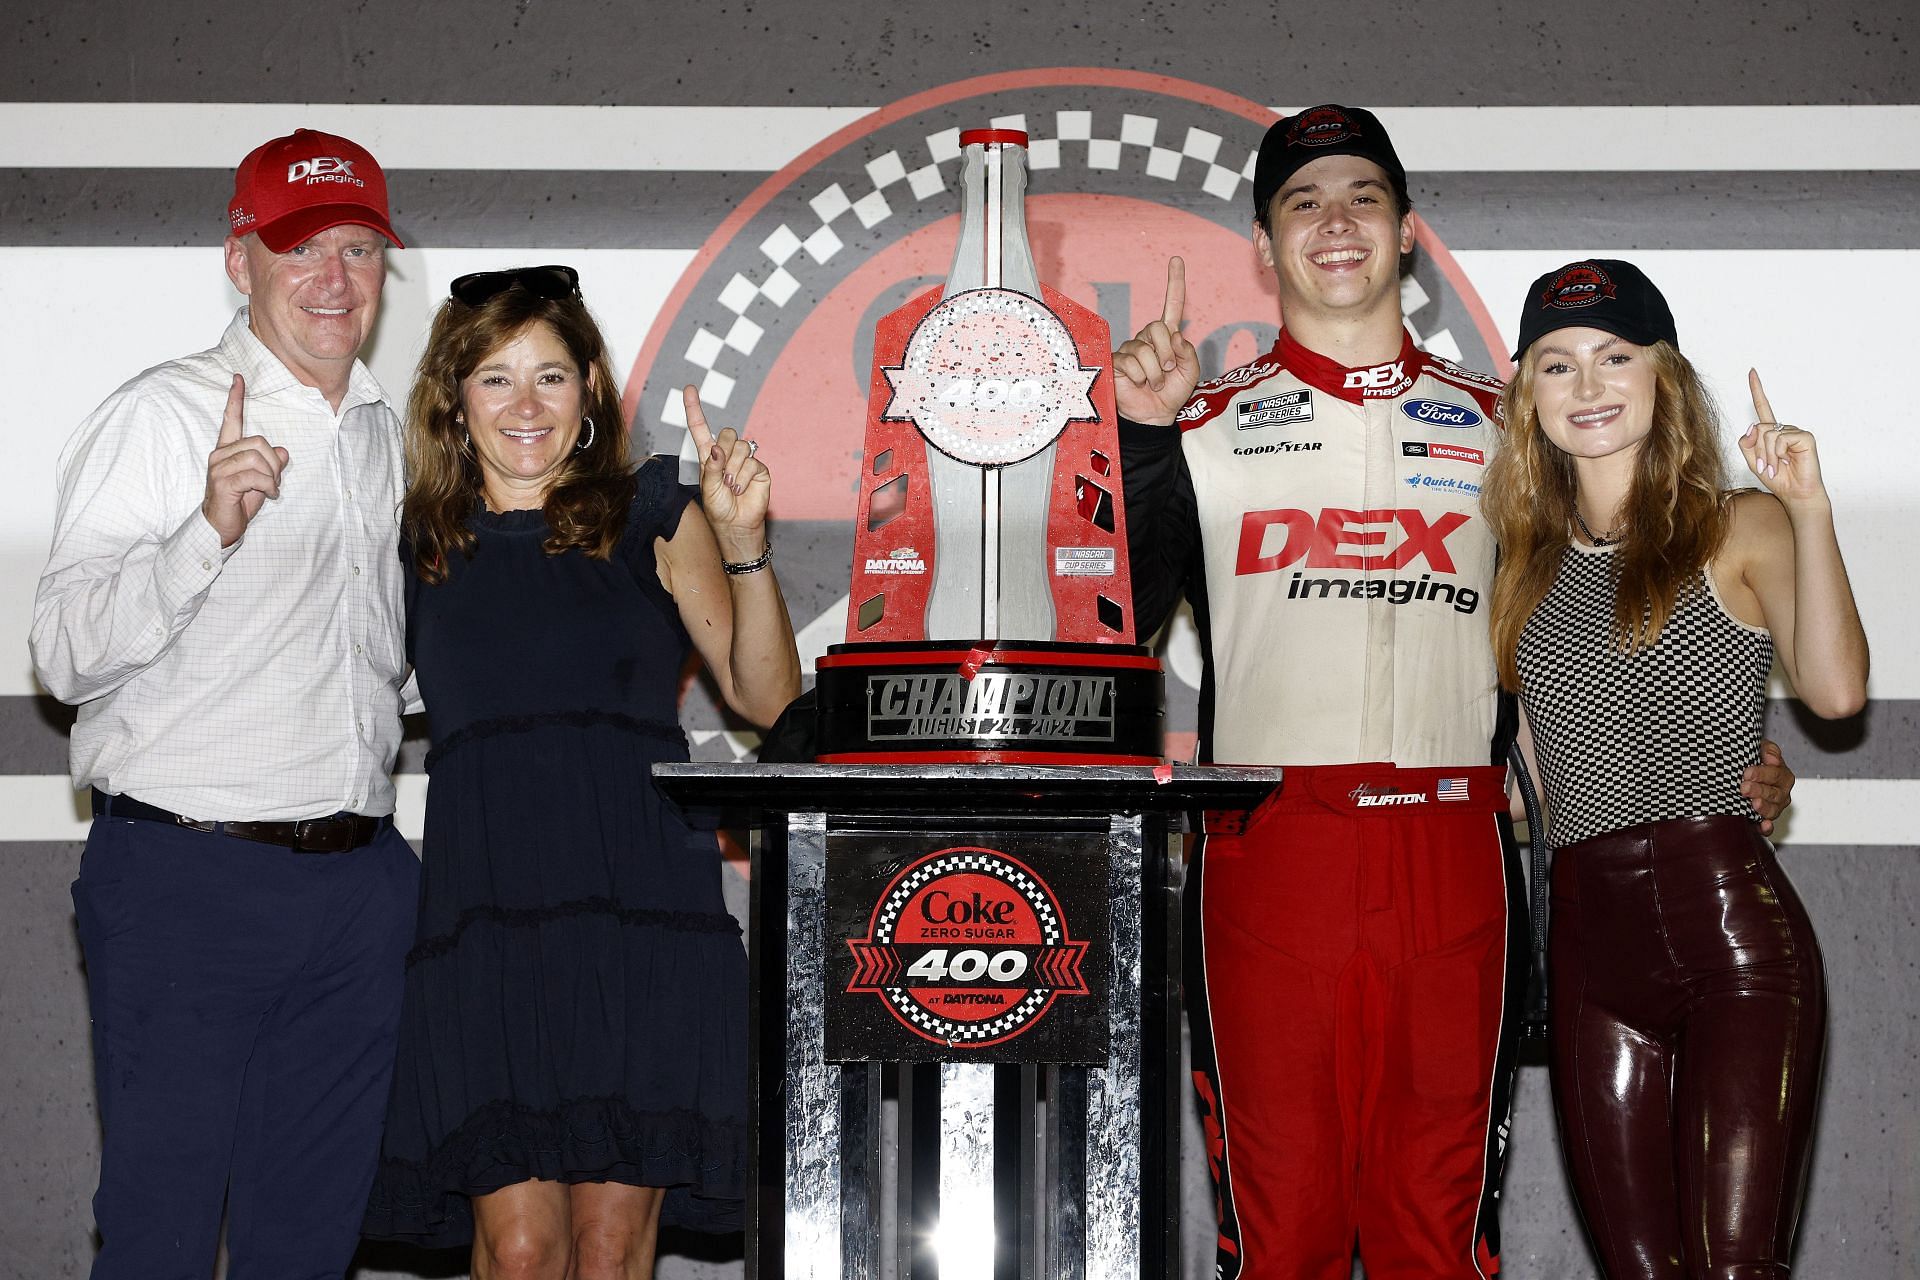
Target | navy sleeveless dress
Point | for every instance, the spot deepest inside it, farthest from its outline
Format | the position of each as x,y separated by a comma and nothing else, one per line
575,1004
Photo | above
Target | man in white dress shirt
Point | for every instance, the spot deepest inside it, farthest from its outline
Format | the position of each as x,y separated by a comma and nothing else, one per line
223,602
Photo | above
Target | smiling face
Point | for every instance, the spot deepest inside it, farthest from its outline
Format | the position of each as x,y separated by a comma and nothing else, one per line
314,305
1334,239
1594,392
522,408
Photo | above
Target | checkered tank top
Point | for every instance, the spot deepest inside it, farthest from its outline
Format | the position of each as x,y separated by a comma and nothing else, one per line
1663,733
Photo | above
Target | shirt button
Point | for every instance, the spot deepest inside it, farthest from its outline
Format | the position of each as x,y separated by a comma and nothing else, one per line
356,571
357,649
349,495
206,564
360,725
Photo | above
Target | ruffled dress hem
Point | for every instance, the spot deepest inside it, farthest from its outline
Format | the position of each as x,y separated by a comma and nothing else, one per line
427,1203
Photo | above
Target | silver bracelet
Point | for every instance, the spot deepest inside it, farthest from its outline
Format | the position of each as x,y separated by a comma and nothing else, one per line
749,566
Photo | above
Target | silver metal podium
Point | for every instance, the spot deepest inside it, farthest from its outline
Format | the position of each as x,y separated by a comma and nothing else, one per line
1024,1170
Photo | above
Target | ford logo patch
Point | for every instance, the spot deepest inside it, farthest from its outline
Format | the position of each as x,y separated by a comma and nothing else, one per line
1440,413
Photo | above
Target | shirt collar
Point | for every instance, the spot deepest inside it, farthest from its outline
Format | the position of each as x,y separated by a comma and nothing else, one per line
1358,385
265,374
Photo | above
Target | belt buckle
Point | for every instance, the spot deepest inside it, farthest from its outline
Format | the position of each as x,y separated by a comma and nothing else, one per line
204,824
322,835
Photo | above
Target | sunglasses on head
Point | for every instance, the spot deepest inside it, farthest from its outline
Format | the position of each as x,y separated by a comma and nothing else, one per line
542,282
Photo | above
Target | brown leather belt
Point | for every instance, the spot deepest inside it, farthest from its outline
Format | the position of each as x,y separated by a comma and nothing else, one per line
341,833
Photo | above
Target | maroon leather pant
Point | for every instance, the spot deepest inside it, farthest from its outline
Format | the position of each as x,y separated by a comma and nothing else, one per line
1689,1013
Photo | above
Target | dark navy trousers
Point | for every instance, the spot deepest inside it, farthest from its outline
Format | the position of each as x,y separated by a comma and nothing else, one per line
245,999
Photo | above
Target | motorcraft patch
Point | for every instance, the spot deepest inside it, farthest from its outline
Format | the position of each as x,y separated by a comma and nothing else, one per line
1447,452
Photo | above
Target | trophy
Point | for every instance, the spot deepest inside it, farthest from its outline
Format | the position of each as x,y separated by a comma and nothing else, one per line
990,618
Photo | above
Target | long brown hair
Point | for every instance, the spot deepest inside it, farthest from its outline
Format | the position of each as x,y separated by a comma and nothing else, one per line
587,505
1675,512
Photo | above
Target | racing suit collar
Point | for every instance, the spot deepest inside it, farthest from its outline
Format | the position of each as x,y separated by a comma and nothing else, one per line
1378,382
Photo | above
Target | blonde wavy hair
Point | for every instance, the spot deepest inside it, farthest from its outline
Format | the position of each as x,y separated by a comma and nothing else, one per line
586,508
1675,516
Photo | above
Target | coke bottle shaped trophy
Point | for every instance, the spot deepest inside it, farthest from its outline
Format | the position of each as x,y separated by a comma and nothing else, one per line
990,617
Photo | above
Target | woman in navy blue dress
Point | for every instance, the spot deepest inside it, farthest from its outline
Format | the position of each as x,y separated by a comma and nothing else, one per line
573,1040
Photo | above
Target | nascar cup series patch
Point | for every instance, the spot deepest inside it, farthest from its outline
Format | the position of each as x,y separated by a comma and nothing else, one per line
1276,410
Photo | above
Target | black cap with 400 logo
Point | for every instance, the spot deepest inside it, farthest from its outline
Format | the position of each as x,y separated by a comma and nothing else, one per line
1327,130
1597,293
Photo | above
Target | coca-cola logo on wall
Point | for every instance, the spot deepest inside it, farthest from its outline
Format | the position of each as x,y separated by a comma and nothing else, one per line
773,320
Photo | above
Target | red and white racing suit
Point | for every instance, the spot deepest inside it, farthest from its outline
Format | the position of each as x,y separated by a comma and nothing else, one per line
1351,951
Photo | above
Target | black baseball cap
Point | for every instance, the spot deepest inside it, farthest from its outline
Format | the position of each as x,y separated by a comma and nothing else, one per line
1326,130
1597,293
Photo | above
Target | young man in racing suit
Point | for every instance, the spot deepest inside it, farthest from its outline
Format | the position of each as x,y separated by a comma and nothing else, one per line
1351,953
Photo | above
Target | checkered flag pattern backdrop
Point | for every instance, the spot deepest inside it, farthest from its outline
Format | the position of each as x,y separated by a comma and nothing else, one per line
1186,155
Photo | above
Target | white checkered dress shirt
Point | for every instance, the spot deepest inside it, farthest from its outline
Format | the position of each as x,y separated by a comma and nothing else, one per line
260,683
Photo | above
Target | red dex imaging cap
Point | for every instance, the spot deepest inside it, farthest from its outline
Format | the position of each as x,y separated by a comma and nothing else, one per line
293,188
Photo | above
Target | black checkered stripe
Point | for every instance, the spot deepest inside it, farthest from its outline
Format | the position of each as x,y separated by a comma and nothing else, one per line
975,860
1625,739
962,1032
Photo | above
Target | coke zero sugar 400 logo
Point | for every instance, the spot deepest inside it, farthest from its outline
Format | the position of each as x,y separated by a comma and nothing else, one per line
968,947
773,320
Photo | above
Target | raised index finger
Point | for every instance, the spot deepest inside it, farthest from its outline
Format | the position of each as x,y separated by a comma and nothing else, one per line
697,421
1176,304
233,421
1760,405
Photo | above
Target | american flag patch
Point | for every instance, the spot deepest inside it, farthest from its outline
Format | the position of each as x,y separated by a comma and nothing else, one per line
1452,789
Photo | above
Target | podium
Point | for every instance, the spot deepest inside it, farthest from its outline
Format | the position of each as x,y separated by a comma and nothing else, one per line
1034,1060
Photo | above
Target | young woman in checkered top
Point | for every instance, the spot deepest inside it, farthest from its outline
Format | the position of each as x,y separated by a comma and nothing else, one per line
1639,608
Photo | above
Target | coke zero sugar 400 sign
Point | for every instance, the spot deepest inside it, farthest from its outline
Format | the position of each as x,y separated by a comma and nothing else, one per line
994,949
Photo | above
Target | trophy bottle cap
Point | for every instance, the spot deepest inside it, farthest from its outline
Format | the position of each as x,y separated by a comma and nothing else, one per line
1017,137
